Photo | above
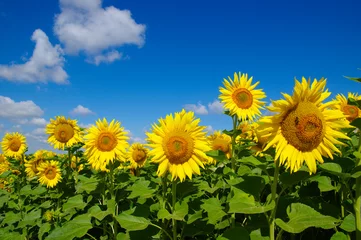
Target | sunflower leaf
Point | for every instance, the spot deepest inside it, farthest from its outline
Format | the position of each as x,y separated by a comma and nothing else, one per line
351,101
234,234
214,209
356,123
86,184
348,223
334,169
353,79
324,183
77,227
339,236
74,202
140,189
289,179
132,223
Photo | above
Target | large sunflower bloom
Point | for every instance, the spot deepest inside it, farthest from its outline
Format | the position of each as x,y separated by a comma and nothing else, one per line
104,143
241,97
49,173
63,132
13,145
31,166
222,142
351,112
179,144
137,155
304,129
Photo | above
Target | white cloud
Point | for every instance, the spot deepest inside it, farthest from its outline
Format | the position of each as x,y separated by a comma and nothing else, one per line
18,110
133,139
216,107
82,125
46,64
38,134
209,129
80,110
38,121
85,26
198,109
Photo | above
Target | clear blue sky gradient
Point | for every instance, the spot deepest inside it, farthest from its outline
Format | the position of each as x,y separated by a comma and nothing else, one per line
190,46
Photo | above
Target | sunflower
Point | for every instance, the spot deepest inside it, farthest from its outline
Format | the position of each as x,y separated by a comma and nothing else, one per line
31,166
14,145
259,139
49,173
351,112
49,215
137,155
304,129
241,97
222,142
75,164
4,164
104,143
63,132
179,144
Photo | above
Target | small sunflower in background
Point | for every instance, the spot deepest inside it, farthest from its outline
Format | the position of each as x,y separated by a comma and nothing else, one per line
49,215
105,143
49,173
259,139
303,128
241,97
222,142
4,164
63,132
137,155
40,156
350,111
14,145
75,164
179,144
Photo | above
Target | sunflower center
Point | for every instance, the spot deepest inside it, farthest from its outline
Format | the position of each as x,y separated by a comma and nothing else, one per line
303,127
351,111
178,147
221,144
15,144
139,155
243,98
50,173
106,142
63,132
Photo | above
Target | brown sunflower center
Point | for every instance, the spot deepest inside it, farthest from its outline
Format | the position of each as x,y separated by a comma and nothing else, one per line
139,155
50,173
221,144
106,142
178,147
303,127
243,98
351,111
63,132
15,144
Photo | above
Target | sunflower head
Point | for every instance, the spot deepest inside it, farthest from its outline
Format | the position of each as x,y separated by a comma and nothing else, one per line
179,144
13,145
31,166
304,128
63,132
350,111
49,215
241,97
4,164
49,173
104,143
222,142
137,155
75,164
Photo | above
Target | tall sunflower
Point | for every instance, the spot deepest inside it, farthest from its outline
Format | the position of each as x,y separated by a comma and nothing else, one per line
179,144
13,145
105,143
31,166
63,132
351,112
241,97
304,129
222,142
49,173
137,155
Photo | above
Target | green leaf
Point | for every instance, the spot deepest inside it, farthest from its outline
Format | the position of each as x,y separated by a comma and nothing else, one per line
11,217
356,172
348,224
351,101
181,210
11,236
251,160
243,170
30,218
77,227
302,217
122,236
96,212
357,154
334,169
74,202
46,204
38,190
214,209
257,235
356,123
204,186
26,190
290,179
132,223
339,236
86,184
164,214
140,189
243,202
195,216
324,183
217,154
45,228
111,205
353,79
235,233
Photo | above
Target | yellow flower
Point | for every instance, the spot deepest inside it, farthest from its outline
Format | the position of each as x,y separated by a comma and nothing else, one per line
304,129
13,145
105,143
179,144
4,164
351,112
31,166
49,215
75,164
137,155
222,142
49,173
63,132
259,139
241,97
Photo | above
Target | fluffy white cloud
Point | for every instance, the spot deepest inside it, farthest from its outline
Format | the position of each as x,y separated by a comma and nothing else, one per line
133,139
46,64
215,107
80,110
38,134
18,110
82,125
38,121
85,26
209,129
198,109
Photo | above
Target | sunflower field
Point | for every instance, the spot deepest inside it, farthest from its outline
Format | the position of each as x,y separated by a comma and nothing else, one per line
294,174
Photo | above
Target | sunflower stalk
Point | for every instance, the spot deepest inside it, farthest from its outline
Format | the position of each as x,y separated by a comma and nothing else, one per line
234,136
357,202
174,200
112,186
272,217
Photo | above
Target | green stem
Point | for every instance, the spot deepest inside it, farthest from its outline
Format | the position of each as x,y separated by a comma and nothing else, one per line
233,158
174,200
274,196
113,196
357,202
341,201
154,225
69,165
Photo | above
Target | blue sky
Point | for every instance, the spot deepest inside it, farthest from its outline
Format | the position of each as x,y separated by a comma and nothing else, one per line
136,61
